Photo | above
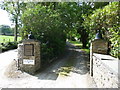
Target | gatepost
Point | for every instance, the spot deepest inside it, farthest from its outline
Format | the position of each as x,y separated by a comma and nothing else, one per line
98,45
29,56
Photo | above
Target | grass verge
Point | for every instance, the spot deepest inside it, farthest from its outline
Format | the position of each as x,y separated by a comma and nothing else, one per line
76,43
87,51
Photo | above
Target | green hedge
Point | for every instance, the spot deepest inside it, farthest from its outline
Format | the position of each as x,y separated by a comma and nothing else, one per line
8,46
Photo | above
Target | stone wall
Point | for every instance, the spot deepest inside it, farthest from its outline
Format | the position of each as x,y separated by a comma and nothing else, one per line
103,67
105,71
97,46
33,56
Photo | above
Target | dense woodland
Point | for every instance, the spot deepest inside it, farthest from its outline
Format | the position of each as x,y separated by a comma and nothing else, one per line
53,22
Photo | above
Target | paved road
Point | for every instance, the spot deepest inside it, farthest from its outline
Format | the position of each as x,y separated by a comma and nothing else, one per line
79,77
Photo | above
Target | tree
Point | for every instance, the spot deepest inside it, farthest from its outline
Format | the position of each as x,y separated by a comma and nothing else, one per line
15,10
72,15
85,9
5,30
45,24
98,5
106,20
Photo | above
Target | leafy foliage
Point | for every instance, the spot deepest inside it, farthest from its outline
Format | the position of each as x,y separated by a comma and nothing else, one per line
15,10
45,24
72,17
52,23
106,20
5,30
8,46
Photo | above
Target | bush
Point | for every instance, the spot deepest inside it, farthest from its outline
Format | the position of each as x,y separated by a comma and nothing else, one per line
45,24
106,20
9,46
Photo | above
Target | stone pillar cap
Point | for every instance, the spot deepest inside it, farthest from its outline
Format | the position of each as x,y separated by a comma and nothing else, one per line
31,40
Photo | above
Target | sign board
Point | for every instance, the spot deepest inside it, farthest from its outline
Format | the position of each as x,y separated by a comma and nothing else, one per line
27,61
29,50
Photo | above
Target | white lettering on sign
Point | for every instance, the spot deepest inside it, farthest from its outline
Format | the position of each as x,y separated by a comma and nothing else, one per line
27,61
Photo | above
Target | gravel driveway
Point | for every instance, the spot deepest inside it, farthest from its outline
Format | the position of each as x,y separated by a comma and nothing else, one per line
50,77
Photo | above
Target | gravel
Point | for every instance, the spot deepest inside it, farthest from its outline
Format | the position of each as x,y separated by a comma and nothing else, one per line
79,77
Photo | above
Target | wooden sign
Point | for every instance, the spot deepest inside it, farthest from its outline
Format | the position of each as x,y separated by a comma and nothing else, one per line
29,50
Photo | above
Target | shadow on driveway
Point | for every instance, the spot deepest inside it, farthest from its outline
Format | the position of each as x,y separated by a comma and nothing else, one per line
74,58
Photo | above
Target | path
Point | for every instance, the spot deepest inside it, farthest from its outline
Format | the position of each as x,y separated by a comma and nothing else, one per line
48,78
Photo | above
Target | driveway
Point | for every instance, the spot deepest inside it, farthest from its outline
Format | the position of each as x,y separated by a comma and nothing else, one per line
75,61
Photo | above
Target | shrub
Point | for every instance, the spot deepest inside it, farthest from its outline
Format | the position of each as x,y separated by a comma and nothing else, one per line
9,46
106,20
45,24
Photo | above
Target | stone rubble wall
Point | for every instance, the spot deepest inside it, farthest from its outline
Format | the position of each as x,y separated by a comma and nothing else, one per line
97,46
20,55
36,57
104,74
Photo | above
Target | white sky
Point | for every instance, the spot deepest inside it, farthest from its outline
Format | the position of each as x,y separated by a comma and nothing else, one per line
4,18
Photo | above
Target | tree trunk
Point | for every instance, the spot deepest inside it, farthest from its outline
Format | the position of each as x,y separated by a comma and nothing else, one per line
16,20
16,29
84,37
84,43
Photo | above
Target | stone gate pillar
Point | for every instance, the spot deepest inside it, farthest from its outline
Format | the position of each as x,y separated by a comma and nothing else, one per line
97,46
29,56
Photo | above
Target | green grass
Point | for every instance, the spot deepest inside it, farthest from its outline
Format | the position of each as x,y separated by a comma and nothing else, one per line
79,44
4,38
76,43
86,50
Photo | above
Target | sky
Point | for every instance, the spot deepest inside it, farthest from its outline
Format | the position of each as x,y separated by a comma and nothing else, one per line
4,18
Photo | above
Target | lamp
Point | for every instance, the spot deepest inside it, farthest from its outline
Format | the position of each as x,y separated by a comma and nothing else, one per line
30,36
98,35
